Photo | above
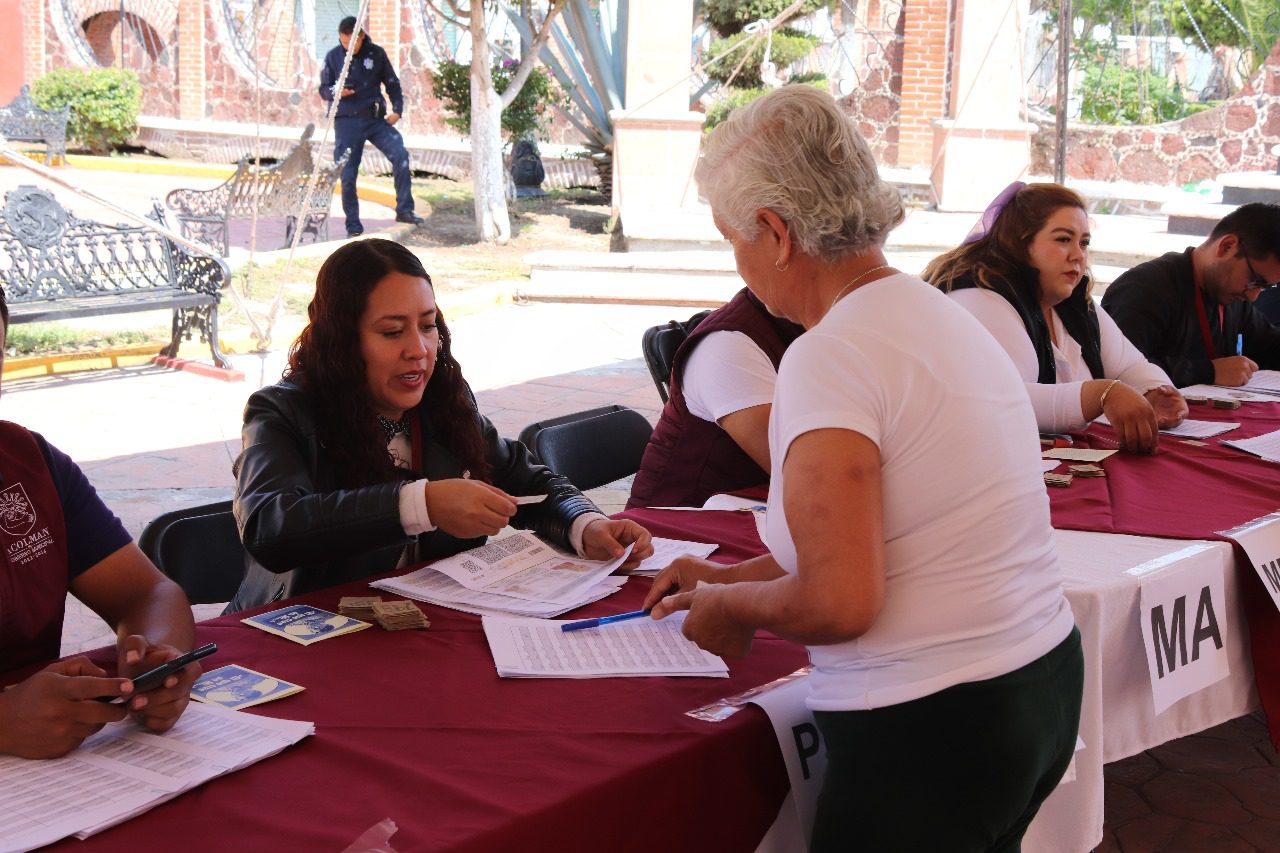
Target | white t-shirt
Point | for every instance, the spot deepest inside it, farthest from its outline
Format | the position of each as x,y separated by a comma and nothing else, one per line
972,584
726,373
1057,407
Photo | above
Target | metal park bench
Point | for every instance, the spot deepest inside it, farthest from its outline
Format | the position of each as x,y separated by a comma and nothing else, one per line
54,265
22,120
275,190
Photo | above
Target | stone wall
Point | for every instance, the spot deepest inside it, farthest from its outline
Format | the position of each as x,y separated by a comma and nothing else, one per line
1236,136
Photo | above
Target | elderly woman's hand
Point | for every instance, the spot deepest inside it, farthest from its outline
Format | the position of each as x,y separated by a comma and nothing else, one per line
683,575
468,508
708,623
1169,405
606,538
1132,418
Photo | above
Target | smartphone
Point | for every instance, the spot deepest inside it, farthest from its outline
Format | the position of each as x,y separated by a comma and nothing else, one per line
153,678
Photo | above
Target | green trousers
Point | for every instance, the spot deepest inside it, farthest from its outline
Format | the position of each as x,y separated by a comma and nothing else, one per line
964,769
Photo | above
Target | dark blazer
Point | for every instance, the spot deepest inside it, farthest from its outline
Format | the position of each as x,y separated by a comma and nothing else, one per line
304,531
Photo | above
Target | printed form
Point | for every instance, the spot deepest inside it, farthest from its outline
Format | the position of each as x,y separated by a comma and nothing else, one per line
124,770
537,648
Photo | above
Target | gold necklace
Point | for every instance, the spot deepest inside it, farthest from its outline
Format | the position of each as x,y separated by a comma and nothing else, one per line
855,280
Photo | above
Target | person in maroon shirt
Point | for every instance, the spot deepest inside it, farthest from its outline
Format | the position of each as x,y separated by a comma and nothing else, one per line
56,536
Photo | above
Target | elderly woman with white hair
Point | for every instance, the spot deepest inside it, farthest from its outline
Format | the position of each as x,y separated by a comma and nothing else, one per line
908,526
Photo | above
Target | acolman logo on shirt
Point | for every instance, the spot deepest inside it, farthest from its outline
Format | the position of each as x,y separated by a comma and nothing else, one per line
368,63
17,515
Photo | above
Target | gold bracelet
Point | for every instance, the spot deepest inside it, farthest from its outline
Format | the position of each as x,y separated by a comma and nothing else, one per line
1102,401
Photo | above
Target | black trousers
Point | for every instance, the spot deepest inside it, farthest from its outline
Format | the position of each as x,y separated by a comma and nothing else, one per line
964,769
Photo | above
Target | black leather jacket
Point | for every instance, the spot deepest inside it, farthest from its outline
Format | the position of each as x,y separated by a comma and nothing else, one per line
303,531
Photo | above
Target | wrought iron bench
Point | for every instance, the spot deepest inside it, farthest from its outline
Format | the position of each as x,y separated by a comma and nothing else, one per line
21,119
275,190
54,265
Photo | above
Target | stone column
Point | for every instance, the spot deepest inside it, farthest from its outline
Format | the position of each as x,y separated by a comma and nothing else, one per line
191,67
983,144
656,135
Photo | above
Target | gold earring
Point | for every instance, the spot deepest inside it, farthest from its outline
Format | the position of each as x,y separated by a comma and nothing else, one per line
781,269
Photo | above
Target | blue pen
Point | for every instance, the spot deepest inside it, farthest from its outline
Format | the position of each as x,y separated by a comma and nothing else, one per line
602,620
1240,344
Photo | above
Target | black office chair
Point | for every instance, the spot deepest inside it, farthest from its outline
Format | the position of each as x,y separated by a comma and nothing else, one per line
660,343
591,448
199,549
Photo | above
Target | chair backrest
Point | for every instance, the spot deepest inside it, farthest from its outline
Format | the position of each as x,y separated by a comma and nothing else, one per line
199,549
591,448
660,343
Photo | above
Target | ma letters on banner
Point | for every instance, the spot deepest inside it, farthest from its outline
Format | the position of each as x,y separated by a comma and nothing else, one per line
1169,639
1270,572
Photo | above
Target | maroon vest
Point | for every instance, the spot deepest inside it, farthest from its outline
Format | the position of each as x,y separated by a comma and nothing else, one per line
33,553
688,459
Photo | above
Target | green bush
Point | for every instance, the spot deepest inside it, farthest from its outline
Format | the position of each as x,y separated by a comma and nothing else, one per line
730,16
105,103
720,110
787,47
1112,95
528,115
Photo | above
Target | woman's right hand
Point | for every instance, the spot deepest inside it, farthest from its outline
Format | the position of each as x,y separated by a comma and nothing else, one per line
1132,418
681,576
468,509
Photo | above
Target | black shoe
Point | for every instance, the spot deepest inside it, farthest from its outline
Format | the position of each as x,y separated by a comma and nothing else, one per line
351,234
411,218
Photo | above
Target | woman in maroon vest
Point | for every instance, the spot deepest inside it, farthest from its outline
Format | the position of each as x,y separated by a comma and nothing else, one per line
56,536
713,435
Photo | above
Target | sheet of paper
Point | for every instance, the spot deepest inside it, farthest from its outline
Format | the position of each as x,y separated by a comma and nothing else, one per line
428,585
537,648
732,502
1190,428
1077,454
1266,445
123,770
1050,464
523,566
1220,392
667,550
1264,382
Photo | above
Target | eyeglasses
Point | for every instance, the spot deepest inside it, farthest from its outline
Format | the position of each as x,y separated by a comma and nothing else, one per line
1256,282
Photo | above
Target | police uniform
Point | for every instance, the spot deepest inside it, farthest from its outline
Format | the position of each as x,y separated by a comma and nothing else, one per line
362,117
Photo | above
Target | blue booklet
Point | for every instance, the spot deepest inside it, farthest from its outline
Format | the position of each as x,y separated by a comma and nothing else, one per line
304,624
237,687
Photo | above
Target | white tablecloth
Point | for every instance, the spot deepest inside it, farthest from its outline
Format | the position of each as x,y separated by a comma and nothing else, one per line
1103,575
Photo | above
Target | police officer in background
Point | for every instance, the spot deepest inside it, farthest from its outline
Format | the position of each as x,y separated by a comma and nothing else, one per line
362,115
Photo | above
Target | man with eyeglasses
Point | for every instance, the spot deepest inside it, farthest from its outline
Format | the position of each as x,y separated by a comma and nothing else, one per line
1192,312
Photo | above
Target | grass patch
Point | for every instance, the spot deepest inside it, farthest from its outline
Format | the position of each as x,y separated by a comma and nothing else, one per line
48,338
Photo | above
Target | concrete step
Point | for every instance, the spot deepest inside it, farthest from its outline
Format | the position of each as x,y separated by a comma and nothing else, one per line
1244,187
1194,218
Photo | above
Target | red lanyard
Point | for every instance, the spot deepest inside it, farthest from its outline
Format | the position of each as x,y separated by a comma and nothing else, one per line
1204,321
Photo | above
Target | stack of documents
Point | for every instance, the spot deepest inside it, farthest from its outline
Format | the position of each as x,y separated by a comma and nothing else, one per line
124,770
1190,428
520,574
537,648
1264,382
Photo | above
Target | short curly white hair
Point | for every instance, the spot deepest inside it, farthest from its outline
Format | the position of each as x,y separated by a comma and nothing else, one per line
793,151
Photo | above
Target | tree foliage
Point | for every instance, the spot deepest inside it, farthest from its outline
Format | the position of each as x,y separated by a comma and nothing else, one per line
105,103
1116,94
1259,20
528,115
785,47
728,17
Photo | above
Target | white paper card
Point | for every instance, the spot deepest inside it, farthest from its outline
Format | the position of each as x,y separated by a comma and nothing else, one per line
1182,615
1077,454
802,748
1260,540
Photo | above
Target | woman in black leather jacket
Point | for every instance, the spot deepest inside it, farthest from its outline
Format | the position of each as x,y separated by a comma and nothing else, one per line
371,452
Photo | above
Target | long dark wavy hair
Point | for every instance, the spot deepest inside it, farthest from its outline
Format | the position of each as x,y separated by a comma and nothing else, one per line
992,260
326,362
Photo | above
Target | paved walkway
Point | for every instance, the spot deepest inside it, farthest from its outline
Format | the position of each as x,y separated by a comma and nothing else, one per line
152,440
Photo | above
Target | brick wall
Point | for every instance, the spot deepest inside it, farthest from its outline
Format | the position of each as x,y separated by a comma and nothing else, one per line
925,45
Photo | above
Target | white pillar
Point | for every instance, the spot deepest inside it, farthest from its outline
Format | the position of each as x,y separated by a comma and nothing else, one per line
983,144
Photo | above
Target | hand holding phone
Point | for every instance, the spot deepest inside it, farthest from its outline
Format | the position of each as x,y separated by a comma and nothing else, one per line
153,678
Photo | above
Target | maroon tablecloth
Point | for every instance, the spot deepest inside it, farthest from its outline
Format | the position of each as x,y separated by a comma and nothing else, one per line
1191,491
416,726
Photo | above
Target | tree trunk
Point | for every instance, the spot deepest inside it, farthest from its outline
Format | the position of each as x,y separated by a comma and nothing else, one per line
493,223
